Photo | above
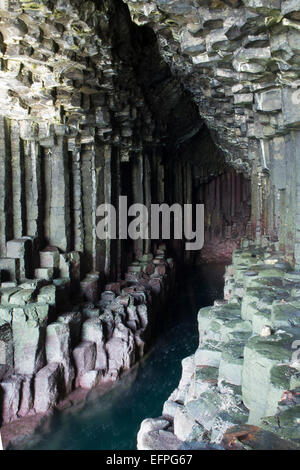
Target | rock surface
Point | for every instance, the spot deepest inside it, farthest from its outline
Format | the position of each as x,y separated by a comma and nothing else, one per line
198,101
240,390
87,348
240,62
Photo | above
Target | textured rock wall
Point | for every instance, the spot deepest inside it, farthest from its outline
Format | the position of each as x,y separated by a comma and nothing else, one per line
49,359
240,61
93,107
240,390
76,131
68,125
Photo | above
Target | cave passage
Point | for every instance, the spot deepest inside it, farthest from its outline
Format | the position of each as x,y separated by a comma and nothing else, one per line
110,119
163,102
111,421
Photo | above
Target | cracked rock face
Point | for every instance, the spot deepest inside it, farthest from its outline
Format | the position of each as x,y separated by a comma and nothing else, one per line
240,390
236,58
193,99
240,61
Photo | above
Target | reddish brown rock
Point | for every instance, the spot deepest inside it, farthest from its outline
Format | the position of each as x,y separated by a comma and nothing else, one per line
247,437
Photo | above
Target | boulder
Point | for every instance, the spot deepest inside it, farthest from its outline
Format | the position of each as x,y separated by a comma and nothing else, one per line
209,354
148,437
249,437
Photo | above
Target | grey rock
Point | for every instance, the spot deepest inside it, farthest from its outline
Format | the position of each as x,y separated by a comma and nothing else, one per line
47,385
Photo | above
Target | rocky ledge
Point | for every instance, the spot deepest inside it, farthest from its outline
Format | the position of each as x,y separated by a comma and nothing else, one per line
241,388
49,351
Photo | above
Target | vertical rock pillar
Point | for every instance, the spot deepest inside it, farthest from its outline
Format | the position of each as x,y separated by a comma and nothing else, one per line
5,188
147,190
107,198
296,141
138,193
59,212
17,161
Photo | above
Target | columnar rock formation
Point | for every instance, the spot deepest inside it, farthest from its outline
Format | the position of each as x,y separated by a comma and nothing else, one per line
76,131
162,101
240,390
240,60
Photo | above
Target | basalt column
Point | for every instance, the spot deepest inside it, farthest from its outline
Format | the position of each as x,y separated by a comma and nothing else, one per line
240,62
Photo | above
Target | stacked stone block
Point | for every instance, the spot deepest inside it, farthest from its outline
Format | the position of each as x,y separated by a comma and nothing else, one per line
44,359
243,380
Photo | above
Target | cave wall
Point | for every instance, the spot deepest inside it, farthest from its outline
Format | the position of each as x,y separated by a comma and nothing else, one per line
81,123
240,60
93,106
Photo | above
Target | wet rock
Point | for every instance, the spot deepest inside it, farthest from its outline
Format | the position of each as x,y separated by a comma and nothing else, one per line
85,358
183,424
92,331
205,409
27,392
90,379
170,408
260,355
282,379
247,437
150,436
10,398
47,387
74,321
231,364
236,377
58,350
209,354
29,331
120,351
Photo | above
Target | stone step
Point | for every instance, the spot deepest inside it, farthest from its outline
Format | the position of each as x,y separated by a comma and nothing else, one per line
260,355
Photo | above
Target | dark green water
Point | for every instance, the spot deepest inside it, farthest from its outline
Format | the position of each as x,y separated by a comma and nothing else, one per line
111,421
